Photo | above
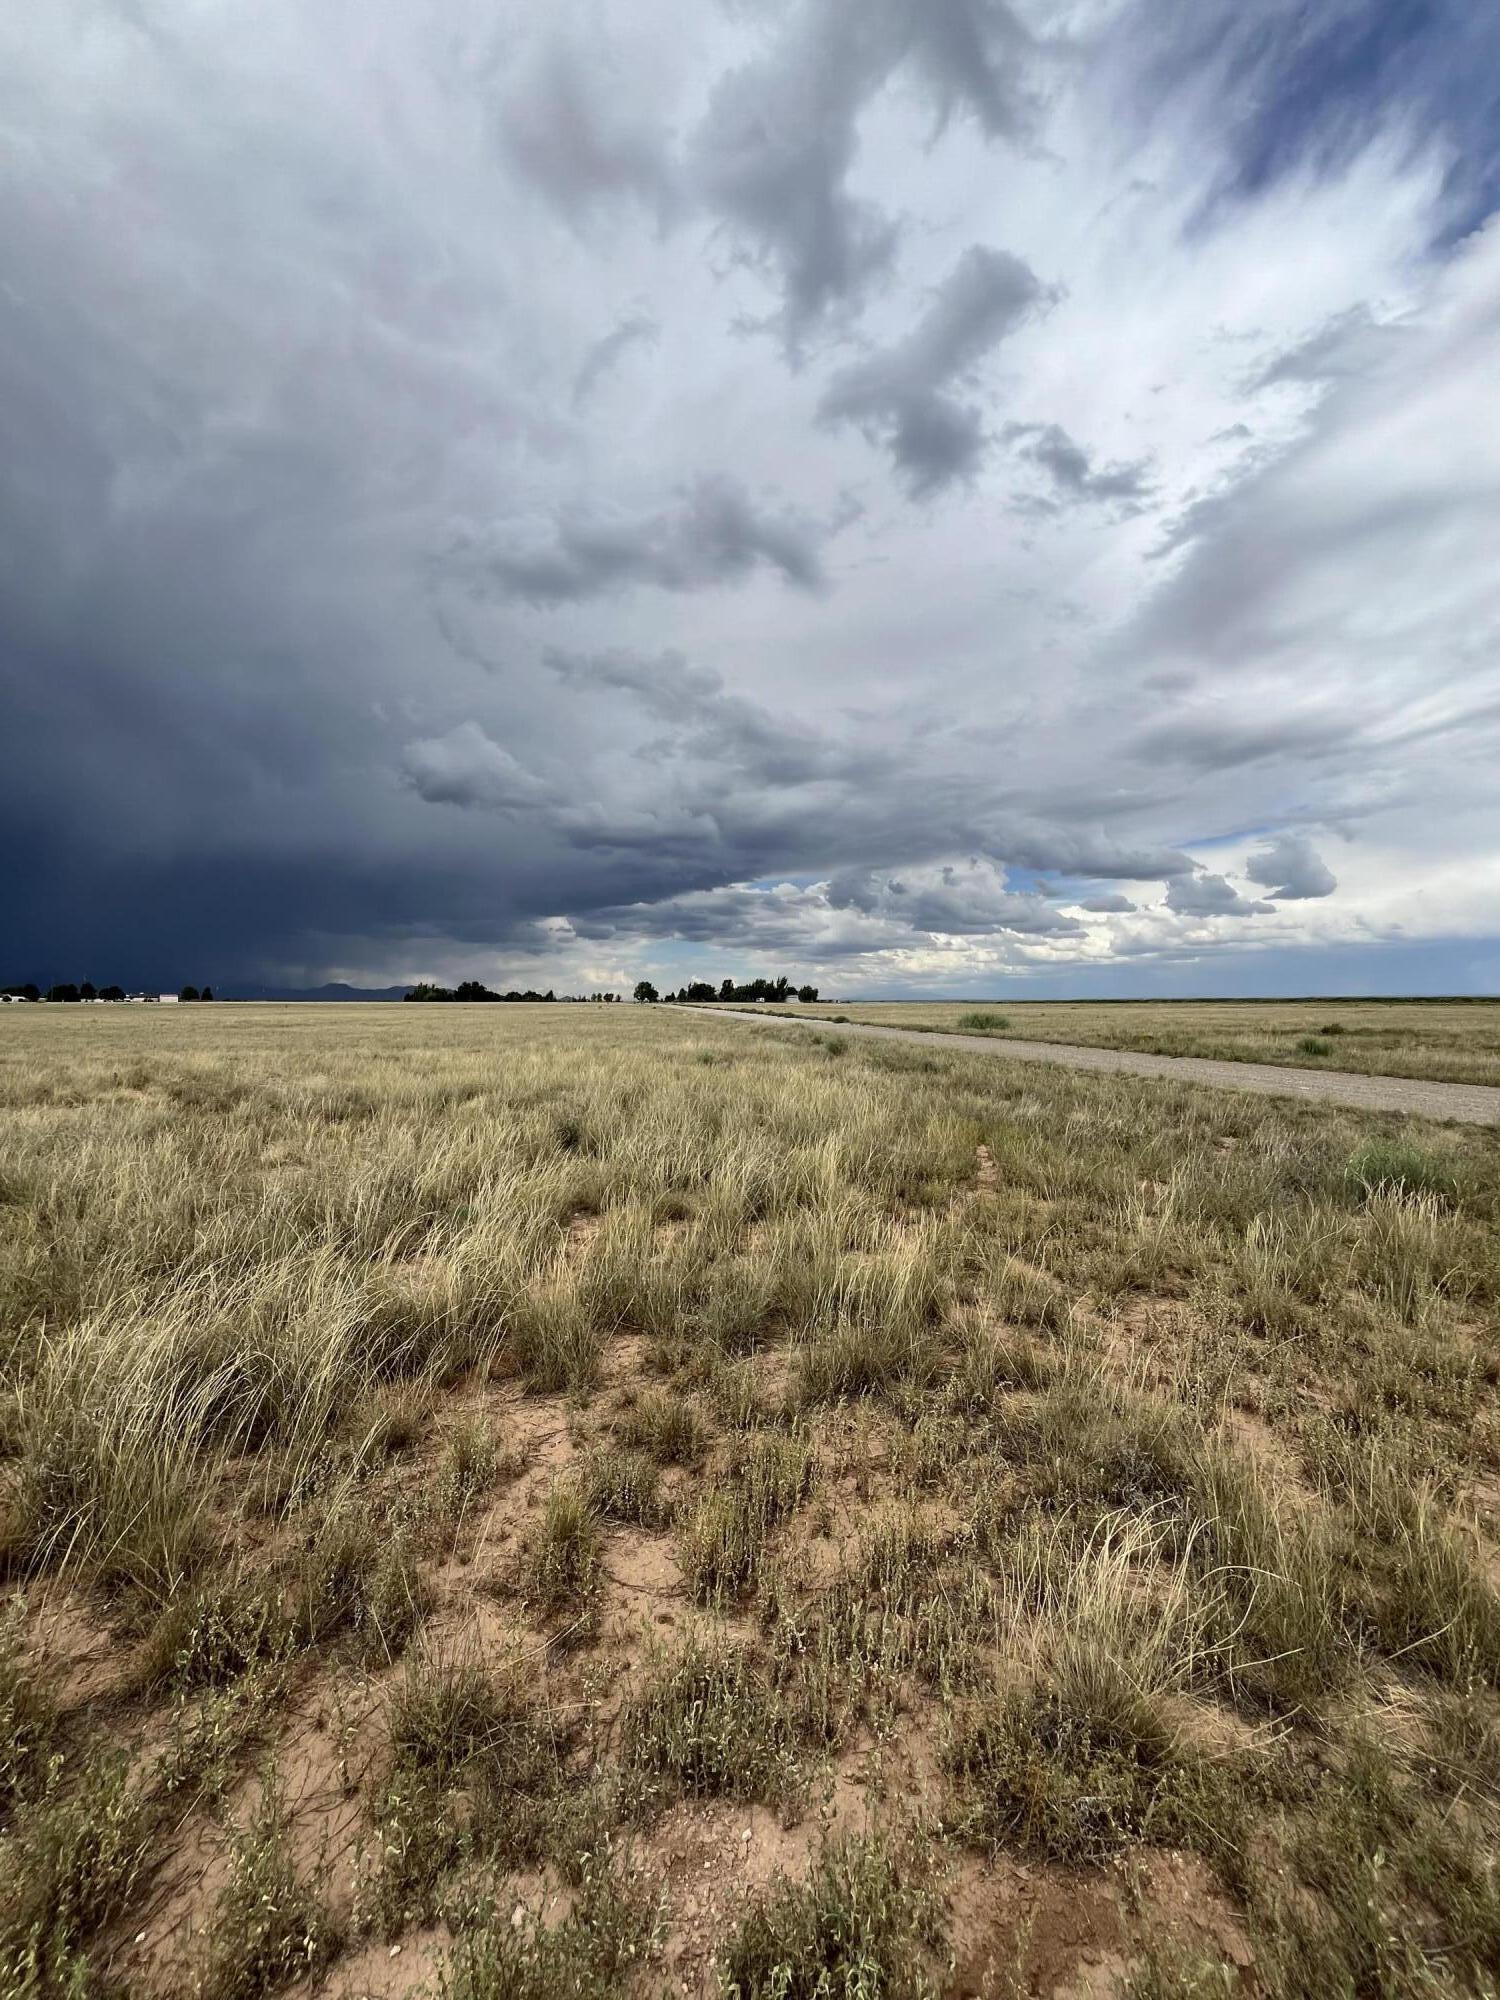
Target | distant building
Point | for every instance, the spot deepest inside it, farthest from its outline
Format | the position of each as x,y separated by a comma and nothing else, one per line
168,998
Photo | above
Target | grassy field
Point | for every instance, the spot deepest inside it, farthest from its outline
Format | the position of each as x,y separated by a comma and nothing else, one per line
520,1503
1442,1042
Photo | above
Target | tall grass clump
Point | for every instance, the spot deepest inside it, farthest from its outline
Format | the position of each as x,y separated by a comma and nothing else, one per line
723,1538
1087,1755
1395,1166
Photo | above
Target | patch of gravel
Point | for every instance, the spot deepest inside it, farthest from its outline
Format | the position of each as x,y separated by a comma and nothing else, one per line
1463,1103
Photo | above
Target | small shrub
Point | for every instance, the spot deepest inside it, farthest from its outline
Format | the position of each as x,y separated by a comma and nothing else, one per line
708,1725
71,1865
1073,1770
592,1954
269,1927
1333,1028
726,1532
1313,1045
666,1426
982,1023
622,1485
561,1561
27,1718
863,1926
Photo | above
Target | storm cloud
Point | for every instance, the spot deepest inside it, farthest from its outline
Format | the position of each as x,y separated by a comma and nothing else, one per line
1291,870
937,492
1073,474
900,394
713,534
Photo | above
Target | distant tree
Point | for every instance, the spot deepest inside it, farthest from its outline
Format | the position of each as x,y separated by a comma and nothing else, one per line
700,989
88,990
726,989
807,993
188,993
112,993
425,990
207,993
646,992
68,992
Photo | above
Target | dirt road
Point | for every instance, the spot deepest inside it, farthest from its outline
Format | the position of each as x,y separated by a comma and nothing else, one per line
1465,1103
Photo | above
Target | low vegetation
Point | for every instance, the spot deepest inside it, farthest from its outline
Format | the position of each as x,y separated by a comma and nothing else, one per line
1441,1041
583,1502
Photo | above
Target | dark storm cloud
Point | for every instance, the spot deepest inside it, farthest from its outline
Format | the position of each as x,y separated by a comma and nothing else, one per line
1072,471
1291,870
714,731
706,780
713,534
774,151
468,768
898,394
637,329
1205,895
362,598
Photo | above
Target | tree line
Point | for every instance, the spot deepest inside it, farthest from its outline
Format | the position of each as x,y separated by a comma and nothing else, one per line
756,989
87,990
471,989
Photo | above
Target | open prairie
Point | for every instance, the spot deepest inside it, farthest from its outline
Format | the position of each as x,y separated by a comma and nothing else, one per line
512,1501
1443,1041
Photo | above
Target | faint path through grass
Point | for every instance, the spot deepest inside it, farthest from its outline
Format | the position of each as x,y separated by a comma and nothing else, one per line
1464,1103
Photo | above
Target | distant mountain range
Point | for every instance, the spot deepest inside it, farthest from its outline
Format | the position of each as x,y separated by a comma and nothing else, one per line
337,991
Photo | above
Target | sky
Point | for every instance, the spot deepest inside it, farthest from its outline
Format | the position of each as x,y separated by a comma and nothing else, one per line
929,496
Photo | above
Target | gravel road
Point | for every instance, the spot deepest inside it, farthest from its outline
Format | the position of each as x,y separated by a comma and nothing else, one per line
1465,1103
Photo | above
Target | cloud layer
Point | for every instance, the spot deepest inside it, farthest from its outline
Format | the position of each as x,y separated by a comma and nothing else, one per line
940,492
